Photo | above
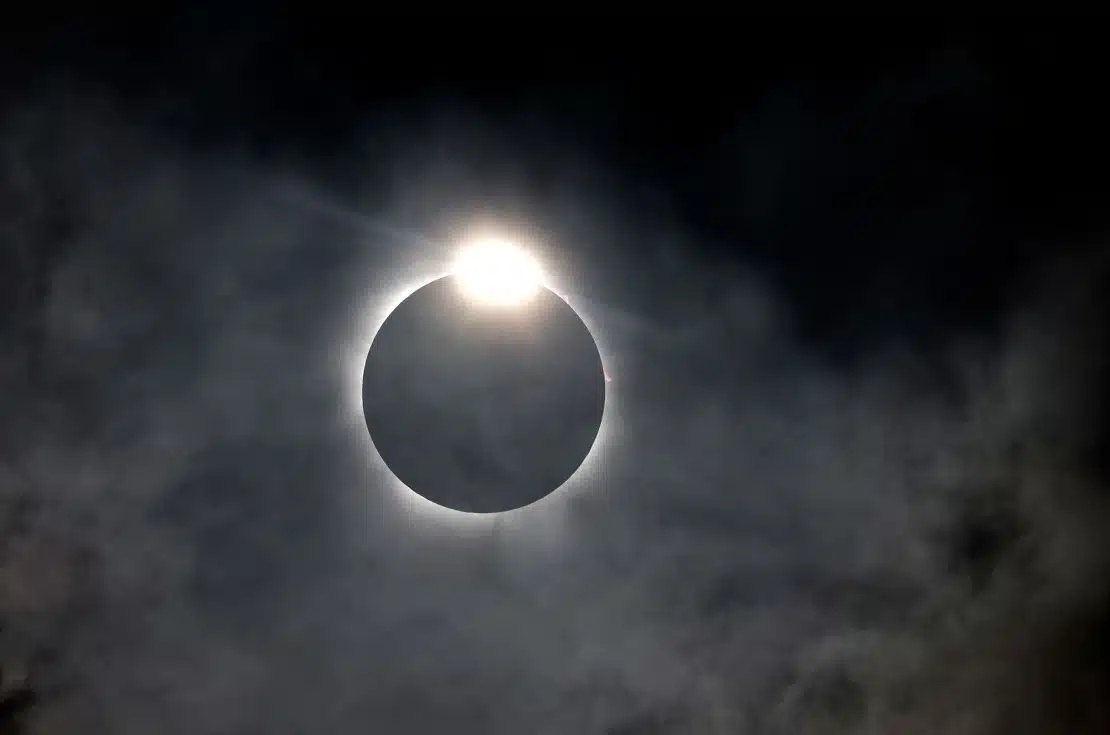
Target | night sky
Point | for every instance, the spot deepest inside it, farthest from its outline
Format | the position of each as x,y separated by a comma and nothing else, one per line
846,275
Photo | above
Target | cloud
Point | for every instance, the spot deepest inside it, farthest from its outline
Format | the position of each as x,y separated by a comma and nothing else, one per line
773,543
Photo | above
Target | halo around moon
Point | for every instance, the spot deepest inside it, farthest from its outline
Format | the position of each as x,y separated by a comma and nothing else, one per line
481,409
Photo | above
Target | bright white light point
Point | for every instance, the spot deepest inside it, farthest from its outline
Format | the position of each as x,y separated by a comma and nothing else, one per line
497,273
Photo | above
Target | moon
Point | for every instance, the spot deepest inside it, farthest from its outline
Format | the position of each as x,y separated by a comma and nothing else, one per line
483,394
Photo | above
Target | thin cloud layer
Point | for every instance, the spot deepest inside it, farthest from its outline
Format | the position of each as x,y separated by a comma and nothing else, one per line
194,542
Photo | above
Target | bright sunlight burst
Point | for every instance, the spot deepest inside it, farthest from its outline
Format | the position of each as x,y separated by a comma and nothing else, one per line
496,272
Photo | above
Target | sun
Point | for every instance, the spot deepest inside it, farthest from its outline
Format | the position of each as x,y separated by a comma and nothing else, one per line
497,273
494,272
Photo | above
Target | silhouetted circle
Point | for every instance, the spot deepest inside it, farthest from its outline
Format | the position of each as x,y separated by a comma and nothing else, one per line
482,408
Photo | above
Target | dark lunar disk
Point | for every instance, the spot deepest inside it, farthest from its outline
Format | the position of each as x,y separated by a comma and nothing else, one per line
482,408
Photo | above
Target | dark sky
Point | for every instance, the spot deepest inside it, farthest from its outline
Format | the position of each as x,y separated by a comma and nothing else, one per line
847,274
